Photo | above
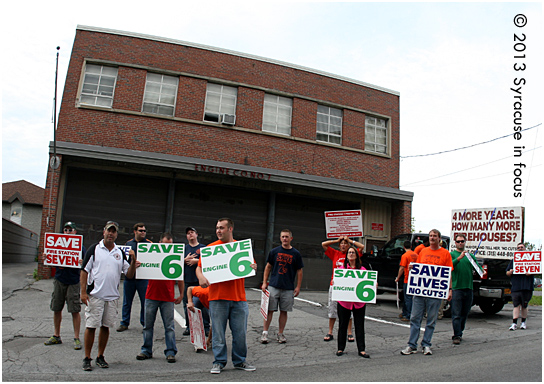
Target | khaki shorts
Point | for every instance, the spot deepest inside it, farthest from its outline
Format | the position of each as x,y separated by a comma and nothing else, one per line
100,313
65,293
282,297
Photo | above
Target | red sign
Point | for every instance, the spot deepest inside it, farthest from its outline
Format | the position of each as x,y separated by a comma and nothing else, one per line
62,250
377,227
527,262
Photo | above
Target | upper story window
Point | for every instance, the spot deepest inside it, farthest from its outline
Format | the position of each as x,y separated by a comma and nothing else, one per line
160,94
277,114
329,124
220,104
98,85
376,134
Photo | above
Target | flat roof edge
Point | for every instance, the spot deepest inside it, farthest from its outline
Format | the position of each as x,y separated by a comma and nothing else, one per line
235,53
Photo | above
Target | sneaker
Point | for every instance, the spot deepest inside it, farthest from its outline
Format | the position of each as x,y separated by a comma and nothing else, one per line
513,327
53,340
142,356
77,344
171,358
216,368
408,351
87,364
122,328
245,366
456,340
264,338
523,325
101,362
187,332
427,351
281,338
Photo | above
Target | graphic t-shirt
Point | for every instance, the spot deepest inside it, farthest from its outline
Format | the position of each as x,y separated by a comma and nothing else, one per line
440,256
285,264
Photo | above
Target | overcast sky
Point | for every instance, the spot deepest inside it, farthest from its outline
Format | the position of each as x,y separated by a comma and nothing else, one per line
452,64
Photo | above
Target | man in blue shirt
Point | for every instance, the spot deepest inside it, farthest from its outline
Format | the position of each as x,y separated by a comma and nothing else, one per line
192,254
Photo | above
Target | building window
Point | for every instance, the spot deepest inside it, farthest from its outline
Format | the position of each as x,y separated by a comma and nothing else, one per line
160,94
277,114
220,101
376,135
329,124
98,85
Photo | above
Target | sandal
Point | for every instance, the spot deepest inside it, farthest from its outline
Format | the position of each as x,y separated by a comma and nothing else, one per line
328,337
351,339
339,353
364,354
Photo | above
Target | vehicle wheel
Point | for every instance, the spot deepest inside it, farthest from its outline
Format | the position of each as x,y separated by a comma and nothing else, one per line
491,307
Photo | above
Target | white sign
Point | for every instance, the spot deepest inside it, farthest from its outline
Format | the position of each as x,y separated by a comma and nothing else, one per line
527,262
126,249
160,261
265,299
429,280
496,230
229,261
344,223
475,265
198,336
62,250
354,285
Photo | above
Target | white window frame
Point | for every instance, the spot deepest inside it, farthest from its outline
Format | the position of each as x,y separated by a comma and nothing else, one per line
376,135
275,107
160,104
104,93
329,121
226,98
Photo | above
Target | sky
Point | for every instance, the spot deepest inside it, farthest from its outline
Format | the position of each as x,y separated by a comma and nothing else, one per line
452,63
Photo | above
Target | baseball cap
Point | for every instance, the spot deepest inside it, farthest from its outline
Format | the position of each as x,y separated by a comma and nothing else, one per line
70,224
190,229
113,224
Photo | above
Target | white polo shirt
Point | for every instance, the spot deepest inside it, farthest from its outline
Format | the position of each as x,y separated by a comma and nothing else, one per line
105,270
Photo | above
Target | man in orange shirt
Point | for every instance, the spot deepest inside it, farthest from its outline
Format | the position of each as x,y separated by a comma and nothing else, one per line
227,304
408,257
436,255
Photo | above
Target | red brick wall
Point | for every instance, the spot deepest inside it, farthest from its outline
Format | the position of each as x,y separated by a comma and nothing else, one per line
401,218
88,126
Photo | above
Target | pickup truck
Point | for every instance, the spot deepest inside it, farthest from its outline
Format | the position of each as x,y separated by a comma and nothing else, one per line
491,291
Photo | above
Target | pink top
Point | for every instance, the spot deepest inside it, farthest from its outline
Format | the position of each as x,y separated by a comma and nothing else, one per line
350,304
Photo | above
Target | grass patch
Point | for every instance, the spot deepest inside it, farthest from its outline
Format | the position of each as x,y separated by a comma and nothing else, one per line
536,300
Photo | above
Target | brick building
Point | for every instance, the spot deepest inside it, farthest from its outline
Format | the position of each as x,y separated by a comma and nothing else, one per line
177,134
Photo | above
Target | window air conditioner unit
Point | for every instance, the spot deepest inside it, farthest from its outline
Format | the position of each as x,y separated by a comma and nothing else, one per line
228,119
212,116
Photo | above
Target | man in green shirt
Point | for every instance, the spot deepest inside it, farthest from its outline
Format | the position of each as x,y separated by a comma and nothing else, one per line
461,300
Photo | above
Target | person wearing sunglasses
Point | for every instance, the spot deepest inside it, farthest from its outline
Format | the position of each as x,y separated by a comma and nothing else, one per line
133,285
66,290
461,300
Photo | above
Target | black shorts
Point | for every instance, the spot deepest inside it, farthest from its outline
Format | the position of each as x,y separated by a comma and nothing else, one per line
522,298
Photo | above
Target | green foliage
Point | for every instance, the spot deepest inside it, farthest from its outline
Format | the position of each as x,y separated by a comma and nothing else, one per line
35,275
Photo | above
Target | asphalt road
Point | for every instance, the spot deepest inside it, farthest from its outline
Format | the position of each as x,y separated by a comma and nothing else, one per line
489,351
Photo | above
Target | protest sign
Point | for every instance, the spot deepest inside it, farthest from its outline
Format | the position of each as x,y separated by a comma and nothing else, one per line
429,280
495,230
354,285
126,249
62,250
265,299
344,223
196,324
475,265
527,262
160,261
229,261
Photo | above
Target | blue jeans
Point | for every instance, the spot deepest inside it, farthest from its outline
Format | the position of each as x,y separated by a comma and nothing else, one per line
419,305
205,313
130,287
236,313
407,306
461,302
167,314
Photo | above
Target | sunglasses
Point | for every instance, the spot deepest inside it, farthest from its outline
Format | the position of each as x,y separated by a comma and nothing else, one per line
142,230
460,241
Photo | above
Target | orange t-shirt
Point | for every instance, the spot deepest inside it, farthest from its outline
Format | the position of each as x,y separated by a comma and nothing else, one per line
202,294
419,248
439,257
406,259
233,290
